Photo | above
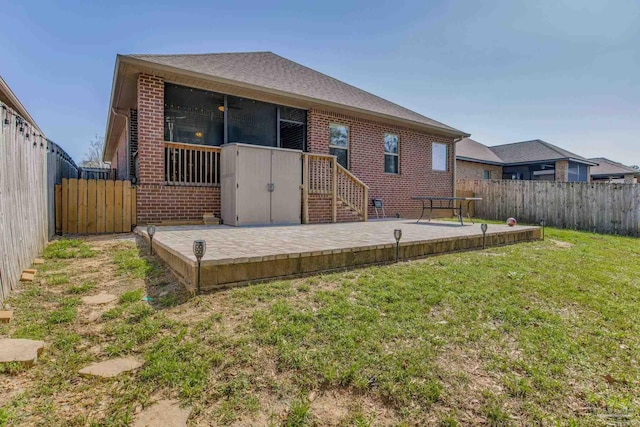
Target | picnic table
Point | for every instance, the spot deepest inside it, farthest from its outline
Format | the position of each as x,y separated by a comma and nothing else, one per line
448,203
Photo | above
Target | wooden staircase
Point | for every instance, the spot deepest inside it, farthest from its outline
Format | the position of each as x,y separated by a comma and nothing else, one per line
324,176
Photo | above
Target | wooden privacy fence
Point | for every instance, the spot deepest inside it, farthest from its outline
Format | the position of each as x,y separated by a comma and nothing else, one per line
95,206
23,196
597,207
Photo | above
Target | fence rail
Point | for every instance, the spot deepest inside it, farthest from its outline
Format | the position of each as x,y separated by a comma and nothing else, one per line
95,206
601,208
191,164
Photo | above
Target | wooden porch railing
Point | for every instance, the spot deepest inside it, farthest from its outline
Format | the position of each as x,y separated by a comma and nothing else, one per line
323,175
191,165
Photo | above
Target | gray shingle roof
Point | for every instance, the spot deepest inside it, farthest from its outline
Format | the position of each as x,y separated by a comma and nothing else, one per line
534,151
271,71
467,148
608,167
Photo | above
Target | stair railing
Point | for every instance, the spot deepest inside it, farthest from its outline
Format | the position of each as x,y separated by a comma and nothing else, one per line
323,175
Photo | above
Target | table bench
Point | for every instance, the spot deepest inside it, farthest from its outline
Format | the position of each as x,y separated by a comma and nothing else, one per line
448,203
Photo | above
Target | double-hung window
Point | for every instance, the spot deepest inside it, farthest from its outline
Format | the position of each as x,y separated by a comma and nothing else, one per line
339,143
439,157
391,154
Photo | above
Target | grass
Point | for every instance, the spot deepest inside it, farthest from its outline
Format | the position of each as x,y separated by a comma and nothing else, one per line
130,263
532,334
68,248
81,289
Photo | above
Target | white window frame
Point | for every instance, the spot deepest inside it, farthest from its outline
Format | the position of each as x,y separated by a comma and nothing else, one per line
397,154
435,159
339,147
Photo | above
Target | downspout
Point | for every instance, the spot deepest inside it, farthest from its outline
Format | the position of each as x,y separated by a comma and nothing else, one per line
455,184
126,143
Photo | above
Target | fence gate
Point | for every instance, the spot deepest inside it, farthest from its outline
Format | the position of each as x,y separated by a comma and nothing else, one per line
94,206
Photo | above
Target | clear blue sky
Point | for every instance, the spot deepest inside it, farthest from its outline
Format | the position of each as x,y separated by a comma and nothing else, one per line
567,72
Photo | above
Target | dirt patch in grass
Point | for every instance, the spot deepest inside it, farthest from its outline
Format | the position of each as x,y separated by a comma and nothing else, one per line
560,244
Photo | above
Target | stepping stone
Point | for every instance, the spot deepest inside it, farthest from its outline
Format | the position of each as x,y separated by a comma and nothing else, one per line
30,271
38,261
111,368
5,316
27,277
20,351
167,413
101,298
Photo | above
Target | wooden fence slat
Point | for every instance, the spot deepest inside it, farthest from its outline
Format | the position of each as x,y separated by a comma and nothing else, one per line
117,212
82,206
134,207
92,206
58,208
100,207
109,195
126,206
72,224
64,217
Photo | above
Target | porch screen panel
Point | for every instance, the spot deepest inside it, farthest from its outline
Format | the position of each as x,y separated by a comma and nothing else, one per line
251,122
193,116
292,128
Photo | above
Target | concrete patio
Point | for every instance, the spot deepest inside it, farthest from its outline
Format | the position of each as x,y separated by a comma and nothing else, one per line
238,255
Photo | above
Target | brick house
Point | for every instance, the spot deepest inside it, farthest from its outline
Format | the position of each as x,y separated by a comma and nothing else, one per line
527,160
169,116
609,171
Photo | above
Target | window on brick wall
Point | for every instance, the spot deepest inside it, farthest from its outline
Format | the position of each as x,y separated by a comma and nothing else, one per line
486,174
439,156
391,153
339,143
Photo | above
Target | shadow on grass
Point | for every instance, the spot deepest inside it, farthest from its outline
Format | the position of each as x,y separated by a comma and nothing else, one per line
163,289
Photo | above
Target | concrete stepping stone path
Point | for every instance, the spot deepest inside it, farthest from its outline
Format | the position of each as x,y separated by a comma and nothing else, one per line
167,413
99,299
111,368
20,350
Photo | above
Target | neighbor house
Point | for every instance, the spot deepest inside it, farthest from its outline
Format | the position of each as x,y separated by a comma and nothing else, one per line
171,117
610,171
527,160
476,161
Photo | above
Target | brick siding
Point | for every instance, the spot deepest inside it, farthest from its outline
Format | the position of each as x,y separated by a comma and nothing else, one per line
366,161
473,170
157,201
562,171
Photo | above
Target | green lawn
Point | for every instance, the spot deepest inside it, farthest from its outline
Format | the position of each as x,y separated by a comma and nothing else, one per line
544,333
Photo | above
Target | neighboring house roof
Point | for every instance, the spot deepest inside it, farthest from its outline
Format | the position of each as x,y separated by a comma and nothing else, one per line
473,151
9,98
517,153
607,168
535,151
274,75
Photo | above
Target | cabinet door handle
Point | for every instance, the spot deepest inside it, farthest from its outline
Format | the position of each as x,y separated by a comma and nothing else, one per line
271,187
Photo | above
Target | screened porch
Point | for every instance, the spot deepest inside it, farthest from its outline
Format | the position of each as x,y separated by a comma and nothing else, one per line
197,122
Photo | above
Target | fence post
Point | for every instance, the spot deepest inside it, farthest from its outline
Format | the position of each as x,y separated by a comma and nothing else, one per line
305,188
334,190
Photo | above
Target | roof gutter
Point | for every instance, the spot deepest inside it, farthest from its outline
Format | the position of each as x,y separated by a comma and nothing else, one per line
114,81
486,162
161,67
